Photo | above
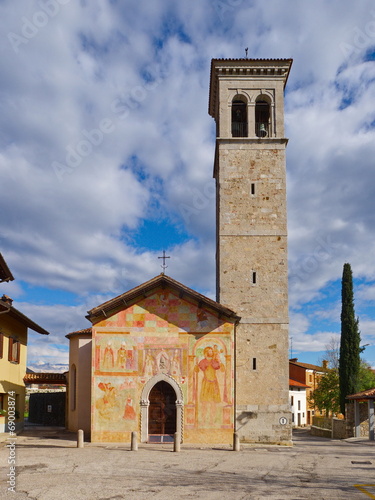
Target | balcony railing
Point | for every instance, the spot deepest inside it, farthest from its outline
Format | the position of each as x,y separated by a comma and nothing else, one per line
239,129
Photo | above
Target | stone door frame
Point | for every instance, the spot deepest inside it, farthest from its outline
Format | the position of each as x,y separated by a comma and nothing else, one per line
145,403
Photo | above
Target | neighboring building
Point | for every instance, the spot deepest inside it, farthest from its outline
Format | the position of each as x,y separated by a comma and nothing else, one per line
297,395
163,358
360,416
13,352
310,375
13,347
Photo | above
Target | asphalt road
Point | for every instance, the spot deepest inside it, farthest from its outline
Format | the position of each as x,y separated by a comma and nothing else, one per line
49,466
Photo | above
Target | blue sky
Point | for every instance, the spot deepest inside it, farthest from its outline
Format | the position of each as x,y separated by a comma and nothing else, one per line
106,154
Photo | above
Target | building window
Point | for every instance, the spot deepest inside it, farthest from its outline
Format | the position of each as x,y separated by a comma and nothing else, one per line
254,363
254,277
292,400
14,350
252,189
299,404
262,118
1,344
239,118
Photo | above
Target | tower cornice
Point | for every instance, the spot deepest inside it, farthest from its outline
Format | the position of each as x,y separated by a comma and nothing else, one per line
257,69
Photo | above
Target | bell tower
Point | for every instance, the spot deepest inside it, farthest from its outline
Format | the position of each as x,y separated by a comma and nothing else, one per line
247,103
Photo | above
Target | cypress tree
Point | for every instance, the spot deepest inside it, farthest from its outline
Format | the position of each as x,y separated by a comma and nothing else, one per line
349,362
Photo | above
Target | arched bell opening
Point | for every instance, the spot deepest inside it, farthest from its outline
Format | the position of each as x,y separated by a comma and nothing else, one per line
239,117
262,118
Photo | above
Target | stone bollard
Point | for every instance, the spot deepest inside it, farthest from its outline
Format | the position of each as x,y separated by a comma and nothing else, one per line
236,442
134,441
80,438
177,442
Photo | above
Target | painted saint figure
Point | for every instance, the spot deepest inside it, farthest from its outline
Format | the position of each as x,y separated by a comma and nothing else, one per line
175,370
148,369
121,356
129,413
108,358
210,390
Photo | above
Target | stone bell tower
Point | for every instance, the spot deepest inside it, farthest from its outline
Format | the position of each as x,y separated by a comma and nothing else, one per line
247,103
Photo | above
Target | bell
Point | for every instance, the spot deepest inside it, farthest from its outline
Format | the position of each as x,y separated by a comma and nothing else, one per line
262,130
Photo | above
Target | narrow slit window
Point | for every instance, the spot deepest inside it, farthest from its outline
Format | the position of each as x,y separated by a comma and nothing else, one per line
254,363
252,188
254,277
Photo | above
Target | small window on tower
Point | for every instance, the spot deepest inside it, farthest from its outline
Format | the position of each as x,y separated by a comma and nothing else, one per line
254,363
252,190
254,278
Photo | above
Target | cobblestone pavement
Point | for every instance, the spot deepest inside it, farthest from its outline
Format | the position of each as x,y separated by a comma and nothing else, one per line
49,466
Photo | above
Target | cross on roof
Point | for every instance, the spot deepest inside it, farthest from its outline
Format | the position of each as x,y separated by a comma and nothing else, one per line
164,266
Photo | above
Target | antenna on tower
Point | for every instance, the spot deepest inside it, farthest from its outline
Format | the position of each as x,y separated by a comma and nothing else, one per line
247,48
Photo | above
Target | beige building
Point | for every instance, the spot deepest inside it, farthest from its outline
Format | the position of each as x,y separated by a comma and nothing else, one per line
162,358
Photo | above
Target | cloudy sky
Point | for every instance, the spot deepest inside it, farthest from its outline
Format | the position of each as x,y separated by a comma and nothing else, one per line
106,153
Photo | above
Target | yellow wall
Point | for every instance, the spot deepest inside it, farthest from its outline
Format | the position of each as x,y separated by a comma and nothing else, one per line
12,374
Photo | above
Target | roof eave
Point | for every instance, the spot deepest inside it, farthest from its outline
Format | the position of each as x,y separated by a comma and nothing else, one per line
7,275
13,312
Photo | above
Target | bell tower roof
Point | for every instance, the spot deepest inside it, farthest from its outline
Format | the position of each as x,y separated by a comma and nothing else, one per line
245,69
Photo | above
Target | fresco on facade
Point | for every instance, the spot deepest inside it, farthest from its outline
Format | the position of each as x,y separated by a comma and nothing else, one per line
164,312
170,360
115,355
114,403
210,384
163,334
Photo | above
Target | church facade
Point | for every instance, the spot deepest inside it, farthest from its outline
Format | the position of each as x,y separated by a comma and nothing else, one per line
162,358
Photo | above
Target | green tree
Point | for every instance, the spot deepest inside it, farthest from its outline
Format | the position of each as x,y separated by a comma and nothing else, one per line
349,362
366,377
326,395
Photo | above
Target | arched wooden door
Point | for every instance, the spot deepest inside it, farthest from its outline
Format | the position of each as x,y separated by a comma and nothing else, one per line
162,410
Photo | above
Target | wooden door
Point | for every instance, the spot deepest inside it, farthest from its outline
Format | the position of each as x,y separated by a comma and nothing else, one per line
162,409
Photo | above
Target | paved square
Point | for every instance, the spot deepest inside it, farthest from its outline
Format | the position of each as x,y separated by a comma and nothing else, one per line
49,466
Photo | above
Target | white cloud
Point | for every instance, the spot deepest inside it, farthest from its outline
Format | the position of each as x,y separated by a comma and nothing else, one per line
143,70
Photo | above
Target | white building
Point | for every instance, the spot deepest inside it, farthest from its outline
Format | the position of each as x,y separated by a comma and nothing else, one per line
297,398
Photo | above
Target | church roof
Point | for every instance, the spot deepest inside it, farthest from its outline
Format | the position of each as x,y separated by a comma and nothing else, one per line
5,274
128,298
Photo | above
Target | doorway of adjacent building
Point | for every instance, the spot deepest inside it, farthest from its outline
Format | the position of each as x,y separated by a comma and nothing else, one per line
162,413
